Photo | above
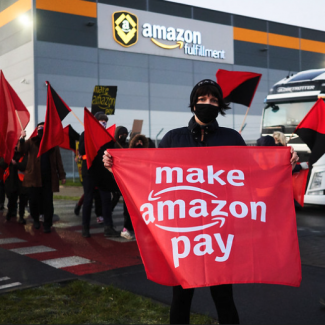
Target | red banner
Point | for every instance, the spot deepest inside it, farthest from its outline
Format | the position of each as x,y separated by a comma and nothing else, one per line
213,215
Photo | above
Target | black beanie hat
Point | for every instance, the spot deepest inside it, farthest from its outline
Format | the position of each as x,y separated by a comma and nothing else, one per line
204,82
40,123
100,116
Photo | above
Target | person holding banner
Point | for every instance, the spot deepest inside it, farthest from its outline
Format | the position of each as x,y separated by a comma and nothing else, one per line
203,130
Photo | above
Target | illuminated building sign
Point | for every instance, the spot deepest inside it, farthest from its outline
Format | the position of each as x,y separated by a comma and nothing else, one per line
157,34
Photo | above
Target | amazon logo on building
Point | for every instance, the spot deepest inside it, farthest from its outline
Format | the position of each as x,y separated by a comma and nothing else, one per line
125,30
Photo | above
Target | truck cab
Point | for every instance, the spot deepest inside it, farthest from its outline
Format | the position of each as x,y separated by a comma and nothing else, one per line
287,103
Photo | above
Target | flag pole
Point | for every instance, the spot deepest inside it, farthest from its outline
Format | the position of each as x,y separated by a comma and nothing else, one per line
77,118
19,120
241,127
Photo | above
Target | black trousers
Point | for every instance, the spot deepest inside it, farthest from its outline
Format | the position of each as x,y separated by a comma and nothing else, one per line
41,199
89,193
221,295
12,203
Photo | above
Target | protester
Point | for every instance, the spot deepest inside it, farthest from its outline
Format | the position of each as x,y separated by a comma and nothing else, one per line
279,138
96,177
13,178
42,177
206,102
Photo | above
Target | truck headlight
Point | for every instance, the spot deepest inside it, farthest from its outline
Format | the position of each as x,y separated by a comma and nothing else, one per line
315,192
317,180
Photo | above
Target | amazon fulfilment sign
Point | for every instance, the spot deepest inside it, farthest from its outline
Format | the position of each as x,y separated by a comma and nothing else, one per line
145,32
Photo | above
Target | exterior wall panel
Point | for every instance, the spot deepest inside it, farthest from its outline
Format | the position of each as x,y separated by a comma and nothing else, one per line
250,54
169,8
14,35
216,17
284,59
65,28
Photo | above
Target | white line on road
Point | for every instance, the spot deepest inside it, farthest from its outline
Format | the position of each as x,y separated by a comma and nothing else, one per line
32,250
67,261
4,241
4,278
9,285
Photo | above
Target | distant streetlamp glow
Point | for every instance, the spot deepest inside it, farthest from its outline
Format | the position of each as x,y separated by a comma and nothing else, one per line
25,20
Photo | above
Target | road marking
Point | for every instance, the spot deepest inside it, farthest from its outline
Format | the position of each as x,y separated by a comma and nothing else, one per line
4,241
9,285
66,261
4,278
66,224
32,250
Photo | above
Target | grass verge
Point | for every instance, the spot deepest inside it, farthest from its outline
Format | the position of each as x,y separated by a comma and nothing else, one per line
70,182
80,302
65,197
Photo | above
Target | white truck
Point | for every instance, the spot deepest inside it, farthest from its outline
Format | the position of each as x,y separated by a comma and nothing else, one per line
287,103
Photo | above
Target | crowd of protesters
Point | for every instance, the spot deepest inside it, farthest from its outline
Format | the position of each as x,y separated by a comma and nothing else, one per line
29,182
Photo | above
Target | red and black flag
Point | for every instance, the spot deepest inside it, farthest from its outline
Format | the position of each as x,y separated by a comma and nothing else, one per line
311,130
95,136
56,111
14,117
70,138
238,86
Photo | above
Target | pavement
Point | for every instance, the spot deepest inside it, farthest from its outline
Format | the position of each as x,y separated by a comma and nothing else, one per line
31,258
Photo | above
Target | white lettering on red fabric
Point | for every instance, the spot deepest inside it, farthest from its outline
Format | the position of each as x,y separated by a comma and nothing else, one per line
170,208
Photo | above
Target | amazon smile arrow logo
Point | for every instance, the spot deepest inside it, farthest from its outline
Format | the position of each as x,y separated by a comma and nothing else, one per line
179,44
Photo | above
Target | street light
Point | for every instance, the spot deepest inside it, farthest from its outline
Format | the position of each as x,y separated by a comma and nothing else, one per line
25,20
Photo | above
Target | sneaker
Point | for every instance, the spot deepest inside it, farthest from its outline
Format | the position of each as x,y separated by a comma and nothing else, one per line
41,217
85,232
126,234
100,219
77,209
110,232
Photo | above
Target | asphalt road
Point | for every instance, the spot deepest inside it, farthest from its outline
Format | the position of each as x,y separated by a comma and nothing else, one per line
31,258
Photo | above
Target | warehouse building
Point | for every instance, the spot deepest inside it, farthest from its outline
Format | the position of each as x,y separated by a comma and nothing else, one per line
154,51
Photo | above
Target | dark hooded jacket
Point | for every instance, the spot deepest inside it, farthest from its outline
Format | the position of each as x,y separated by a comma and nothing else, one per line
116,135
104,179
190,136
33,171
137,137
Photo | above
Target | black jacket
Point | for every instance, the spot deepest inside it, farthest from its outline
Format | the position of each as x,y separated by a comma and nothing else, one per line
13,184
190,136
104,179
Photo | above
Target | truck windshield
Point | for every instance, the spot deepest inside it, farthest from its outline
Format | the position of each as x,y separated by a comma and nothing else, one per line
286,114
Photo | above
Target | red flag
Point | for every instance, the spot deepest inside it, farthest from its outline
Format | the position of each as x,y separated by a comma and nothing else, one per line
299,181
56,111
14,117
95,136
238,86
111,130
311,130
34,133
202,218
70,138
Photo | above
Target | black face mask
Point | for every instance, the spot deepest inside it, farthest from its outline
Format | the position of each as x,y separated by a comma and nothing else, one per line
139,146
206,113
122,139
40,133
